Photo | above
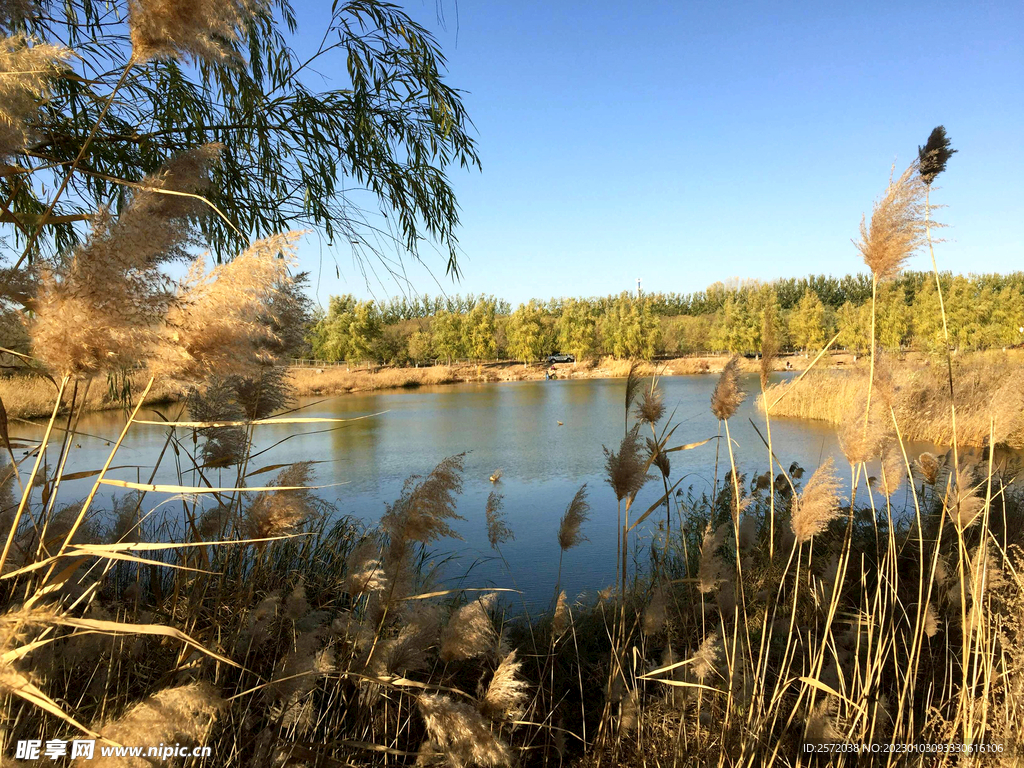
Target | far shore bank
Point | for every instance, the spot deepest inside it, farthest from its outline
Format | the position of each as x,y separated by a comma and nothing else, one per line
31,397
340,379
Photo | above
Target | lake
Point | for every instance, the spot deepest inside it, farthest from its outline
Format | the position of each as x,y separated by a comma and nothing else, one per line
510,426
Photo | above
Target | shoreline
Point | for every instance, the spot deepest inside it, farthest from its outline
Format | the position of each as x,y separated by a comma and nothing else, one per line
31,397
338,380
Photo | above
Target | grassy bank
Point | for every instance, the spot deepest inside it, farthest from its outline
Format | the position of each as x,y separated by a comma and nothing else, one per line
988,387
33,397
339,380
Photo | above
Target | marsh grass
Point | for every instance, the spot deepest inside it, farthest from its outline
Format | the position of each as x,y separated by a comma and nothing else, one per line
988,385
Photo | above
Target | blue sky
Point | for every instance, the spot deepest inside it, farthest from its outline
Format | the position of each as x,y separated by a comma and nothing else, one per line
686,143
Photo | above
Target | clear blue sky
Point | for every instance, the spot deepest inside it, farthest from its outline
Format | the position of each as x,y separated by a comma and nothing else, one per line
685,143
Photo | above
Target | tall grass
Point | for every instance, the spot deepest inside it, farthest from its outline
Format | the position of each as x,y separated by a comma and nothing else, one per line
988,386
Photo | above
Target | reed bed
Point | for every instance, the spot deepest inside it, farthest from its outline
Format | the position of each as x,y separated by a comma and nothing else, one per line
988,386
336,380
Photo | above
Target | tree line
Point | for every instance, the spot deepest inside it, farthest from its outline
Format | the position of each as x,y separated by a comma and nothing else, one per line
802,314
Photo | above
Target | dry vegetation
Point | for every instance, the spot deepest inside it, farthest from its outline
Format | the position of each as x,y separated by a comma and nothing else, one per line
251,618
989,398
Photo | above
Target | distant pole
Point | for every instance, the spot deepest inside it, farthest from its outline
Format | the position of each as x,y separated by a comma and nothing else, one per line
638,287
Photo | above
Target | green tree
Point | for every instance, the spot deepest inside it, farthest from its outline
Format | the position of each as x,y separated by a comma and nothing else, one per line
478,331
807,323
577,329
854,326
640,332
892,323
420,347
525,334
446,335
153,83
737,329
926,320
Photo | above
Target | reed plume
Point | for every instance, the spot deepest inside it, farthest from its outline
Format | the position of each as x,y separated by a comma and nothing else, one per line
633,380
408,650
506,692
205,30
656,612
651,407
278,513
364,568
222,446
626,469
217,323
184,713
461,733
262,393
769,342
897,226
577,513
817,504
102,311
560,618
933,156
894,469
705,660
821,728
712,569
294,679
928,466
862,442
498,531
422,512
16,626
469,632
659,458
931,624
963,505
727,395
26,69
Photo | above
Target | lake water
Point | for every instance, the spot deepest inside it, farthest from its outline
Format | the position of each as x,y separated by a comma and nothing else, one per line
511,426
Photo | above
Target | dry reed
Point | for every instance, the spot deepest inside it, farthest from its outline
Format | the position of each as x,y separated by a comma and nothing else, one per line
818,504
577,513
202,29
727,395
897,226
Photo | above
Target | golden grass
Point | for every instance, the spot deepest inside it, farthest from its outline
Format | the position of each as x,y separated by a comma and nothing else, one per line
336,379
987,385
31,397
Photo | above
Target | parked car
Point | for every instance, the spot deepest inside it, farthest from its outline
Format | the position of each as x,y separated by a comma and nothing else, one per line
559,358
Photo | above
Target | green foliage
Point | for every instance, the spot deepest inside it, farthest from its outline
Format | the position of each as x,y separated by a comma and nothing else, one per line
420,347
854,327
577,329
351,330
380,143
807,323
630,329
686,334
983,311
525,333
892,320
446,335
479,329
